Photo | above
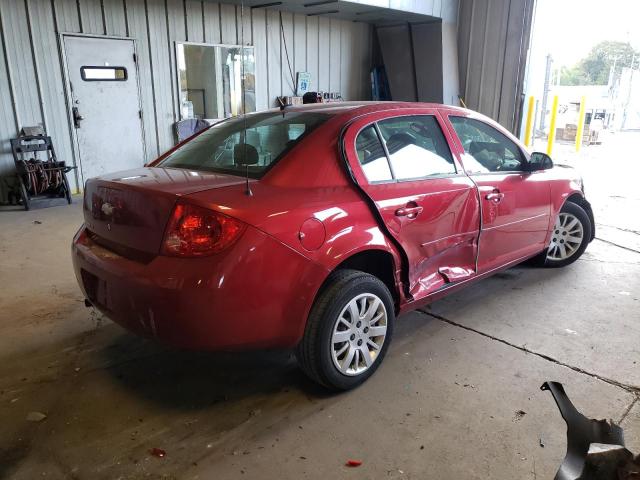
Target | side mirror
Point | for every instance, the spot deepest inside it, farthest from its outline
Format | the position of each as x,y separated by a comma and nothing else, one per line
540,161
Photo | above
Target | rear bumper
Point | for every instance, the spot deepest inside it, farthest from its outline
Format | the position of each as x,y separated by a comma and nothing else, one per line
256,294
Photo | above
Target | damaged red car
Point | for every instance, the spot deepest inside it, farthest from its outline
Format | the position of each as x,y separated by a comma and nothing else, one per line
314,227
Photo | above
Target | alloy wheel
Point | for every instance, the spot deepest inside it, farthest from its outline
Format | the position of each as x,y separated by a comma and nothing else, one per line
567,237
358,334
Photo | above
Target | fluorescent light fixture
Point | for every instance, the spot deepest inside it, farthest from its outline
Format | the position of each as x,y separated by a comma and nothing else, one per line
323,2
322,13
265,5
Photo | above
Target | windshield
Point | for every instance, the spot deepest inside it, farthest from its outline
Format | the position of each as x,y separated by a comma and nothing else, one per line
269,136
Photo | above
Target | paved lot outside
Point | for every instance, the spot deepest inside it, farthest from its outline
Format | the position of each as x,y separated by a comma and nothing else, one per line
457,397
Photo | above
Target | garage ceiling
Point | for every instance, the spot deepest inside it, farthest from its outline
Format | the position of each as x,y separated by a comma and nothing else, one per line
377,12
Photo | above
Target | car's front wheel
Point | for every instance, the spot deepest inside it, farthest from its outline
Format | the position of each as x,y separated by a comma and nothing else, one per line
570,236
348,330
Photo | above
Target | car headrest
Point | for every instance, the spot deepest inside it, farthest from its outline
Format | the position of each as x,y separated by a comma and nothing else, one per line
245,154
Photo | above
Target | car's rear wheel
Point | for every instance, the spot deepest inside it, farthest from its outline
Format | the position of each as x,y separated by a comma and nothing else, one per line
348,331
570,236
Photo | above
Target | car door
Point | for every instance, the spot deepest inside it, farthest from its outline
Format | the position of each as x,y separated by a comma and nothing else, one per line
516,203
403,163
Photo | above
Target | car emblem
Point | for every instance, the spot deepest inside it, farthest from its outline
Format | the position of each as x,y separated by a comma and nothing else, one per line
107,209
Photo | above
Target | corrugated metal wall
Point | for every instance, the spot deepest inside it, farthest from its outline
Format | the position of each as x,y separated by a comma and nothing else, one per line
493,41
337,53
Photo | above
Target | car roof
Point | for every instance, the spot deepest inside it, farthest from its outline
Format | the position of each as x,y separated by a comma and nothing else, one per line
360,107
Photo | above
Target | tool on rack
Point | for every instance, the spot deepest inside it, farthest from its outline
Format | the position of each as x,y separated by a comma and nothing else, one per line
36,176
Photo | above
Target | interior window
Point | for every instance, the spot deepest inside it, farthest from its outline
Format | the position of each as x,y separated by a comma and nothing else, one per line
372,157
417,147
487,149
216,81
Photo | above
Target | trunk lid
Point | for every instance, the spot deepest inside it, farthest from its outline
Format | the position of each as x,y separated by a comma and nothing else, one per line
128,211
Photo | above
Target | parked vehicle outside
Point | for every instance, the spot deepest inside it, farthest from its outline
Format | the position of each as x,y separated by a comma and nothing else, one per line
314,227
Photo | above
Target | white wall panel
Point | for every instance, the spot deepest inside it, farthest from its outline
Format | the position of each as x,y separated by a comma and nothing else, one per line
195,25
137,20
313,36
19,55
91,20
211,22
8,121
228,24
335,27
67,16
114,17
287,71
299,43
274,59
51,85
160,50
259,32
324,54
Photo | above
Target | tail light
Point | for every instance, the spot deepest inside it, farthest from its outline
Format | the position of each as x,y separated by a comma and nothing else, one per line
196,232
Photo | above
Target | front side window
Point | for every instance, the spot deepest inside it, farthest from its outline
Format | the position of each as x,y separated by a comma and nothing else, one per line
263,138
487,150
417,147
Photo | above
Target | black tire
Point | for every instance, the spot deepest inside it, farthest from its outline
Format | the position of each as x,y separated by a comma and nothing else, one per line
67,189
578,212
314,352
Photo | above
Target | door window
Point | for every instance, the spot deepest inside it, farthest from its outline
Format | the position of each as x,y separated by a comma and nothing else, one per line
372,157
417,147
487,149
100,73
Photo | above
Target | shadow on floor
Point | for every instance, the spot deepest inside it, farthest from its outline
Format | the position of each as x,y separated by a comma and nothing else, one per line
186,380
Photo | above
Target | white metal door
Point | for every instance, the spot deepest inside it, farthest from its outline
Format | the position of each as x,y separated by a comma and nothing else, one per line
105,103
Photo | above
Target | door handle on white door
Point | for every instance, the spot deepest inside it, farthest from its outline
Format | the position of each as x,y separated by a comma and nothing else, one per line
77,118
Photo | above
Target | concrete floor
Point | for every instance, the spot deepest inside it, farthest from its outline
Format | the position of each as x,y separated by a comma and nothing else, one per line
445,403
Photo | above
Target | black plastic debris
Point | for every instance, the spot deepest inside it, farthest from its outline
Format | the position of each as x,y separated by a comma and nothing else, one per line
595,448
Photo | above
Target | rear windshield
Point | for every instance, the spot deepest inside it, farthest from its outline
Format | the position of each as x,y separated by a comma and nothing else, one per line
261,138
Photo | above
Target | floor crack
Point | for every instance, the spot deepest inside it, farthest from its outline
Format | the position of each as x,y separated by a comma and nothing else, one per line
630,388
637,232
617,245
628,410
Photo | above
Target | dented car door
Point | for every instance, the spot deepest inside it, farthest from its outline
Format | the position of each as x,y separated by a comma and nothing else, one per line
428,205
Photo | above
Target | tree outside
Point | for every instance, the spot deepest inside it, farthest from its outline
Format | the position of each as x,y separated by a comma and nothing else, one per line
595,68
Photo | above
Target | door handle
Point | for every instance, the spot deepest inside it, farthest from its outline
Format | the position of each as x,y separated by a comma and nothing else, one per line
77,118
495,197
409,211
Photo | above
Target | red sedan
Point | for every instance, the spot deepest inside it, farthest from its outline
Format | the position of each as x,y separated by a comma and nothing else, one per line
314,227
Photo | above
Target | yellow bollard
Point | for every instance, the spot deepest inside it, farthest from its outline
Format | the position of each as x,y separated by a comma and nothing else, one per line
583,103
529,125
552,127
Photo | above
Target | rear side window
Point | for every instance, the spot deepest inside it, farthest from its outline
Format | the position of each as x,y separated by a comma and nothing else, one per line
263,137
487,149
372,157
